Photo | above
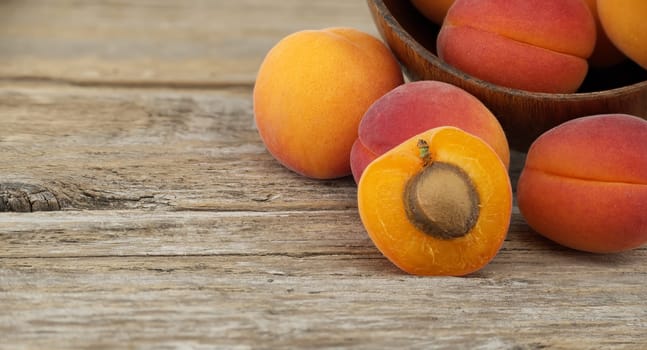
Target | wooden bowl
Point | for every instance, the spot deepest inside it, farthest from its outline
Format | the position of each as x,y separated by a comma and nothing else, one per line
523,115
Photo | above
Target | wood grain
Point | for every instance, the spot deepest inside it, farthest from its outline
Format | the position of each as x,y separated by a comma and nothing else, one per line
142,210
250,279
97,149
279,301
194,43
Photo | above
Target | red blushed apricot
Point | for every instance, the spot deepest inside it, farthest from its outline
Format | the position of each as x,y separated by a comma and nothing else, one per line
438,204
584,184
565,26
533,45
511,63
360,157
415,107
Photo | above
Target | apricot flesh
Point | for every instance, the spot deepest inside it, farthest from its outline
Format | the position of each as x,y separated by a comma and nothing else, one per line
414,107
311,91
533,45
584,184
478,202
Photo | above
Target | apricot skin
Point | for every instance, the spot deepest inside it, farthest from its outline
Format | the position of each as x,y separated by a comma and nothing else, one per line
624,23
311,91
533,45
584,184
605,53
434,10
418,106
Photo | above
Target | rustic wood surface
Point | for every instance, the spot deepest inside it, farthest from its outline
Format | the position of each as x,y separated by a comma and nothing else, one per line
139,209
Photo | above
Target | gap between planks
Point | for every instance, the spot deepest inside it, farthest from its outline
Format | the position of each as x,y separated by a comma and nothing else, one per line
128,84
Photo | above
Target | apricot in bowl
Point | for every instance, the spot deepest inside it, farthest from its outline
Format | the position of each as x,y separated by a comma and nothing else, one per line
605,53
624,24
533,45
434,10
524,115
437,204
584,184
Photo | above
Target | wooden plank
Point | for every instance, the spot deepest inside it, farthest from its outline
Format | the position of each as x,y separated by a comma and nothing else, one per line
145,233
123,233
198,150
191,43
278,301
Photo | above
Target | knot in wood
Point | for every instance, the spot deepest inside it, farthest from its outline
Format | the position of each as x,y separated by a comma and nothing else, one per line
21,197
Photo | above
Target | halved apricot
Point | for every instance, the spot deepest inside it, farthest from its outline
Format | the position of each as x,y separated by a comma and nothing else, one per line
438,204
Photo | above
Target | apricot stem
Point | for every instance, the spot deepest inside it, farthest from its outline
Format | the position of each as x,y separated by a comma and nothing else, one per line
441,201
423,149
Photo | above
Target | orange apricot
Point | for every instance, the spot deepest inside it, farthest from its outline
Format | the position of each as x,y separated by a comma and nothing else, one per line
311,91
605,53
625,25
437,204
584,183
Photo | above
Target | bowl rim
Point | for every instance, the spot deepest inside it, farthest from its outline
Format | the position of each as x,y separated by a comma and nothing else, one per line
407,39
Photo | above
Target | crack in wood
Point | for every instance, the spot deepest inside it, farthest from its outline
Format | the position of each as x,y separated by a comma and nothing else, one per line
132,84
22,197
364,254
80,196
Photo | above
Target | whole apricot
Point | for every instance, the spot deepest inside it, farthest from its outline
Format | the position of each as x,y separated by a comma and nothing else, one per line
584,183
625,25
414,107
311,91
434,10
533,45
437,204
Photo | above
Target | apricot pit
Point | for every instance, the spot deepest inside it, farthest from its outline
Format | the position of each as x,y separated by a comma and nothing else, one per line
441,201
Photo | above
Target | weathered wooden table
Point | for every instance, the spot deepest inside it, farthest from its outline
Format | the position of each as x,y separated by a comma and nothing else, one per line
141,210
